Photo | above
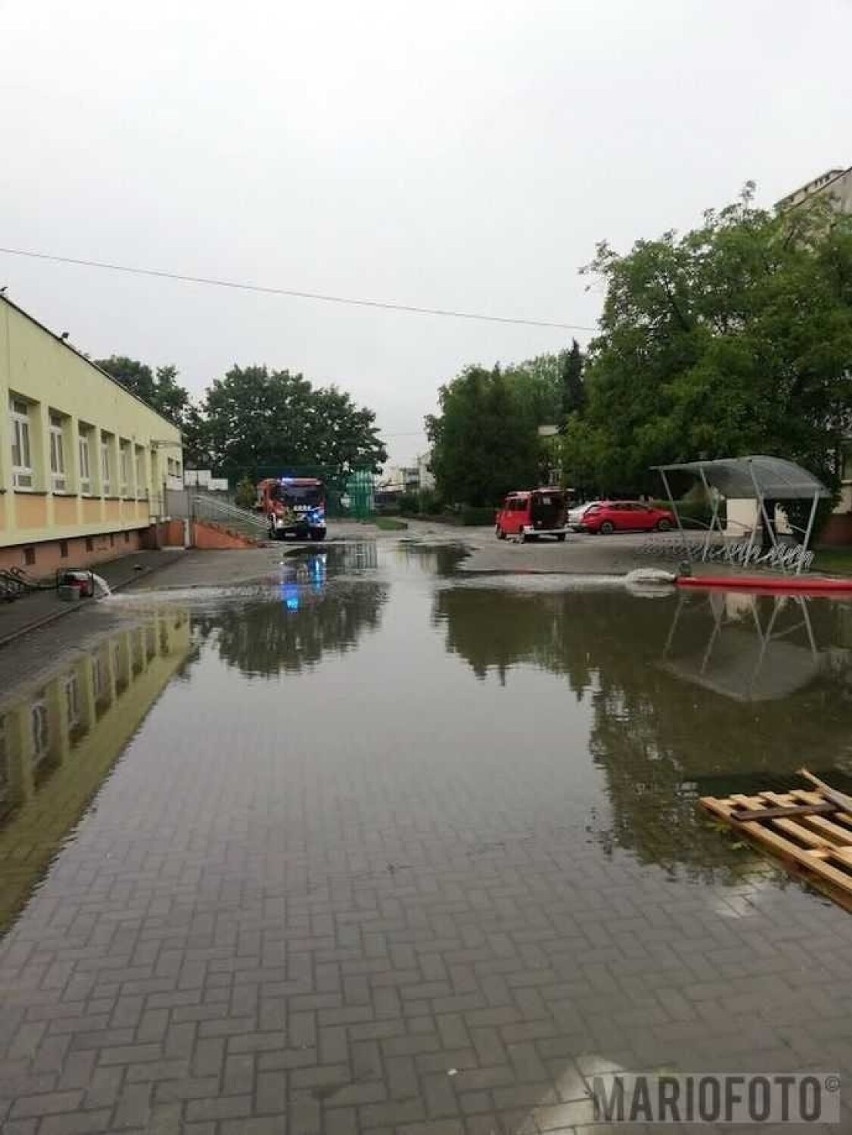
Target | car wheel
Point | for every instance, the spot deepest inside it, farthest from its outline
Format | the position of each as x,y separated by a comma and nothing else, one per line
560,539
317,533
663,525
606,528
501,535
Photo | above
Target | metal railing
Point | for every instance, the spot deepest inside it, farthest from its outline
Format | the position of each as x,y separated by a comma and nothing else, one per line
205,506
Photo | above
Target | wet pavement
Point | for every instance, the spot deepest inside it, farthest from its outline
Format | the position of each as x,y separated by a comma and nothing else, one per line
369,845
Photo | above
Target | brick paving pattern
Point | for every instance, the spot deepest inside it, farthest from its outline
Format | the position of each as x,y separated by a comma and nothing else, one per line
269,925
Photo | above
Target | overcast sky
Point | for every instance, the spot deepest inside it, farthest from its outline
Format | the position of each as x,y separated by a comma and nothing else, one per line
463,155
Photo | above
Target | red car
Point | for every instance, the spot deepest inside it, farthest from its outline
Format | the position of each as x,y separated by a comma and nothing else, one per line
624,516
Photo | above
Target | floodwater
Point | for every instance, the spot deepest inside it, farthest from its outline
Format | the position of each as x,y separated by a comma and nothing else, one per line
376,843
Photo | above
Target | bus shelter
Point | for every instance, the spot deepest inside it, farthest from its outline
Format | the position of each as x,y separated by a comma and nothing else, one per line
759,478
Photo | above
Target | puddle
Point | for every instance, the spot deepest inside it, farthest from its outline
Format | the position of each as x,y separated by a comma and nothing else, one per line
385,757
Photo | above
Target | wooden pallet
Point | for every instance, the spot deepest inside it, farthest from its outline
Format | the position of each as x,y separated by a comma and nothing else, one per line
810,836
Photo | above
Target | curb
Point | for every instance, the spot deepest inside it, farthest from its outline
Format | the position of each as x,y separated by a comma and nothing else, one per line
73,609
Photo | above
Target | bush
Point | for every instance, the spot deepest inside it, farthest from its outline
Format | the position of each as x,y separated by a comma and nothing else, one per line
408,504
695,513
474,516
245,494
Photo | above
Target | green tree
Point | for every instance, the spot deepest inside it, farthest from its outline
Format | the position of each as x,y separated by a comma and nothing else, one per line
573,390
160,388
132,374
536,384
484,440
245,494
256,419
734,338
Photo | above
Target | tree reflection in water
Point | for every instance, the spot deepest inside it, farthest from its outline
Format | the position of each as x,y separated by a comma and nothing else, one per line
308,618
660,737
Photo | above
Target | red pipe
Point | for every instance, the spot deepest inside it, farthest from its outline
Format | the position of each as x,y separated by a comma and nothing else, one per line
799,584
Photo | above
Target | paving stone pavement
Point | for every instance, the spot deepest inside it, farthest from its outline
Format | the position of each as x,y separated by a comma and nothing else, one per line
241,944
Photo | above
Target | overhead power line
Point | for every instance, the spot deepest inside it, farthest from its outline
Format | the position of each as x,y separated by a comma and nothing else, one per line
294,293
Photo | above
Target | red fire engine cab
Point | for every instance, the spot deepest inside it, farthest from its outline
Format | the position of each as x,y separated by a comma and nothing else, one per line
293,506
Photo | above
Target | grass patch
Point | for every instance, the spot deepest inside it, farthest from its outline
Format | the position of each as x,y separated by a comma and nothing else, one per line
835,560
390,524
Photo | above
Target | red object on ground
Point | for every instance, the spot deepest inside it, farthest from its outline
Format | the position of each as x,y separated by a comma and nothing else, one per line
794,583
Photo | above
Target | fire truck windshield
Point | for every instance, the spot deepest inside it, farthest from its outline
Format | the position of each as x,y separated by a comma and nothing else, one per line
300,494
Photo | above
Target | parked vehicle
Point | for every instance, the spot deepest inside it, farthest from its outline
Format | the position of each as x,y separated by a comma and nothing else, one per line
575,514
293,506
605,517
534,513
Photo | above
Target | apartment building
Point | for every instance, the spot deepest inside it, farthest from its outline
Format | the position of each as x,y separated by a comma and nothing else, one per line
834,183
83,463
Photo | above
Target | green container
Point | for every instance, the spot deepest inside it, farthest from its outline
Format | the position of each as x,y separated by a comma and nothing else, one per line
359,489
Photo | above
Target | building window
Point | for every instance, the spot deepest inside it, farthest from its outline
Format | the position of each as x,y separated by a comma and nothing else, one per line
22,465
106,479
72,701
90,544
85,463
4,761
29,556
126,537
57,454
124,468
112,539
40,730
141,487
63,549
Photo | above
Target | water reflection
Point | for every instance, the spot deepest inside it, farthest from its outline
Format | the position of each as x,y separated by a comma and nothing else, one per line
687,696
434,559
315,611
59,740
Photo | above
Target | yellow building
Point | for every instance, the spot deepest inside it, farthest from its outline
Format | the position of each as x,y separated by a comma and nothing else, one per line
83,463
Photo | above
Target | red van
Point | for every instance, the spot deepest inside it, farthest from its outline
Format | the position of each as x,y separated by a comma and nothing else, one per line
540,512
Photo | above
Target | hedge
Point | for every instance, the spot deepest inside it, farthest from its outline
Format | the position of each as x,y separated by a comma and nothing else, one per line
474,516
695,514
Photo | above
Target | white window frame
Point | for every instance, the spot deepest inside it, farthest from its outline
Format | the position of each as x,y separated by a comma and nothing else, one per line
106,480
22,460
40,728
72,701
58,480
85,455
141,484
123,469
4,759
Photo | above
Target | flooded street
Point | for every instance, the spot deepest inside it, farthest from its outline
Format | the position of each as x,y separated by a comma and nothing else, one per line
377,846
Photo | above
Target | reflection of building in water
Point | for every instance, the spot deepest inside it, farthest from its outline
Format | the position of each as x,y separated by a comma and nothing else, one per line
59,740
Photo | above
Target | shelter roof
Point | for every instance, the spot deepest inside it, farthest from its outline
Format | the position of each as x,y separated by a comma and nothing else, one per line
754,477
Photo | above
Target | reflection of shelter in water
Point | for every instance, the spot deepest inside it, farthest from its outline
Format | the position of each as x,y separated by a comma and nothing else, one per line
59,740
754,650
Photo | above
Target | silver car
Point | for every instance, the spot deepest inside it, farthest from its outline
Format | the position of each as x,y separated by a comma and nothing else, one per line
575,514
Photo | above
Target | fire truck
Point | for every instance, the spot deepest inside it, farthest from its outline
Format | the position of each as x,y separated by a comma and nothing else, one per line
293,506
